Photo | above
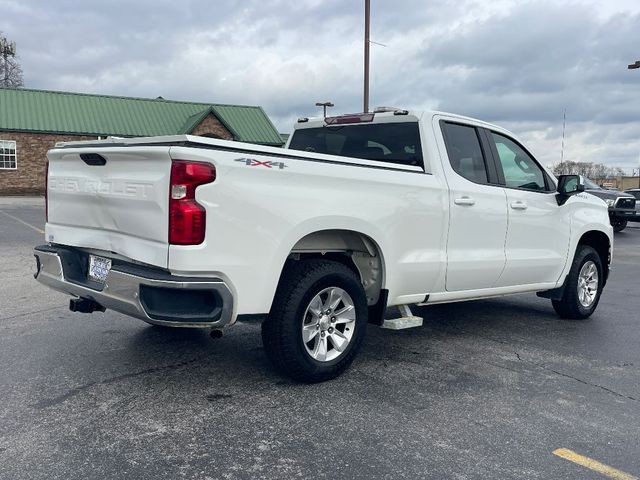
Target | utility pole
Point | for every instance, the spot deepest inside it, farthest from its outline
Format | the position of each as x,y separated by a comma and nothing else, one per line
367,22
634,66
7,49
564,125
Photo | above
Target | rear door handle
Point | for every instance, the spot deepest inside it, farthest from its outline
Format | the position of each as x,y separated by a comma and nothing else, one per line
518,205
464,201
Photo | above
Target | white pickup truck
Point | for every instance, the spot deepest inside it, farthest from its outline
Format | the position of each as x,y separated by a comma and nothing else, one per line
357,214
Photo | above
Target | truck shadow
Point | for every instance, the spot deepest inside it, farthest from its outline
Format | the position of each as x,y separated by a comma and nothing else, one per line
240,350
453,337
190,357
505,323
503,314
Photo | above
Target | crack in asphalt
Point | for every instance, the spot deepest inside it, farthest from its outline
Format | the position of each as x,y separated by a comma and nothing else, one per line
580,380
549,369
557,372
50,402
31,313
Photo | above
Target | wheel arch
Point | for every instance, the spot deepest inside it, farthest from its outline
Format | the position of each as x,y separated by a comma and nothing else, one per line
601,243
354,249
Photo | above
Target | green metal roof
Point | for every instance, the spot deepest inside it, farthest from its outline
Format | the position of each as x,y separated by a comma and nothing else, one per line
84,114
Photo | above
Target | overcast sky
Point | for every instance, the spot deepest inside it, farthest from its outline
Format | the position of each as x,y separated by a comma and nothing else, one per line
515,63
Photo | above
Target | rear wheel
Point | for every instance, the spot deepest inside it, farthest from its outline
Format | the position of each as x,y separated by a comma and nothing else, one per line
317,321
583,285
618,224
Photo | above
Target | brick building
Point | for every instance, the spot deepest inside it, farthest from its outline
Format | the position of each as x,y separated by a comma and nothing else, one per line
619,182
32,121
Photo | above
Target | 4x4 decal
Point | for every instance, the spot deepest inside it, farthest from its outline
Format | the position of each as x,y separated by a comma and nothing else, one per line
252,162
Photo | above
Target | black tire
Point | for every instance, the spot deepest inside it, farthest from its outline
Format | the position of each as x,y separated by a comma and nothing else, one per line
282,330
570,306
618,224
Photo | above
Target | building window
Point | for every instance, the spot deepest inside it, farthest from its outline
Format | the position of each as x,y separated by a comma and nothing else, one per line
8,155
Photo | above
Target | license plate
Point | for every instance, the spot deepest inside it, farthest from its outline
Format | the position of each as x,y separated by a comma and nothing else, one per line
99,268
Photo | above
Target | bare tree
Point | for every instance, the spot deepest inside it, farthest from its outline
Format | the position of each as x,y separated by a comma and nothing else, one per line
591,170
10,69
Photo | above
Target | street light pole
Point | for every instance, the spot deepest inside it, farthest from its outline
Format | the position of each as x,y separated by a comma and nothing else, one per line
564,126
324,106
635,66
367,21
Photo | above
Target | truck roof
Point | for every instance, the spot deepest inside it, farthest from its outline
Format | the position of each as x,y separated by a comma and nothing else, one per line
389,115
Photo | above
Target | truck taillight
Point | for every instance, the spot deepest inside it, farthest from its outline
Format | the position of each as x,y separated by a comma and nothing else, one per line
187,218
46,192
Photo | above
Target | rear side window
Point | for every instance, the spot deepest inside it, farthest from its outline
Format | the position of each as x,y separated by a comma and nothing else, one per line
387,142
520,170
465,152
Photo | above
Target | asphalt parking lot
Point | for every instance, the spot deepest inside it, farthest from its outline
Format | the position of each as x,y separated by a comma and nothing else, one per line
487,389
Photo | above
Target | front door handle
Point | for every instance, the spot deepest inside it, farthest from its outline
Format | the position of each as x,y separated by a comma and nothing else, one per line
518,205
468,201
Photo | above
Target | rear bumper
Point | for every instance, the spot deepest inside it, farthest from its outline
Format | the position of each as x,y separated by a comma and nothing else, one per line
149,294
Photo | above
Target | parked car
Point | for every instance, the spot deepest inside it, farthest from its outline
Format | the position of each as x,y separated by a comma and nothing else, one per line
636,193
357,214
622,206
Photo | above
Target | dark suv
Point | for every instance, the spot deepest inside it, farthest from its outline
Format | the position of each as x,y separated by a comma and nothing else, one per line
636,193
622,206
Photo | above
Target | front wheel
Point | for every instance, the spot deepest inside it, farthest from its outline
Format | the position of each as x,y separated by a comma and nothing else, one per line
618,224
317,321
583,286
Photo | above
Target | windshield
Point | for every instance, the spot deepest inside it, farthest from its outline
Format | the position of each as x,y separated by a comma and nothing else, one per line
589,185
387,142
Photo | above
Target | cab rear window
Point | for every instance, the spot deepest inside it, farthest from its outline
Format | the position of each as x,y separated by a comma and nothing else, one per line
397,143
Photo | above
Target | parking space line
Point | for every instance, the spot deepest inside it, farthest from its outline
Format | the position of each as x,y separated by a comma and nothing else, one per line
592,464
22,222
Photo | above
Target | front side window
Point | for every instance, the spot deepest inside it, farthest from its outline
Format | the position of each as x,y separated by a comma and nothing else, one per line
589,185
8,157
520,170
386,142
465,152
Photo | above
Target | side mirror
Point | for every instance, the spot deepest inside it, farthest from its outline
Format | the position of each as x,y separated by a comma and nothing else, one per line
569,185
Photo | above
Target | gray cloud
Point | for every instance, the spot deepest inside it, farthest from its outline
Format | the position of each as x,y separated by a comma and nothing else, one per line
515,63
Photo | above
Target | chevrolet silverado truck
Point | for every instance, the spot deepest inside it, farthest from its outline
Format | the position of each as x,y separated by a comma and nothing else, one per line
621,205
358,216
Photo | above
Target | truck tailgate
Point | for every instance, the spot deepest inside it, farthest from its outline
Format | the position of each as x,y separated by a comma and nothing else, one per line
114,199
